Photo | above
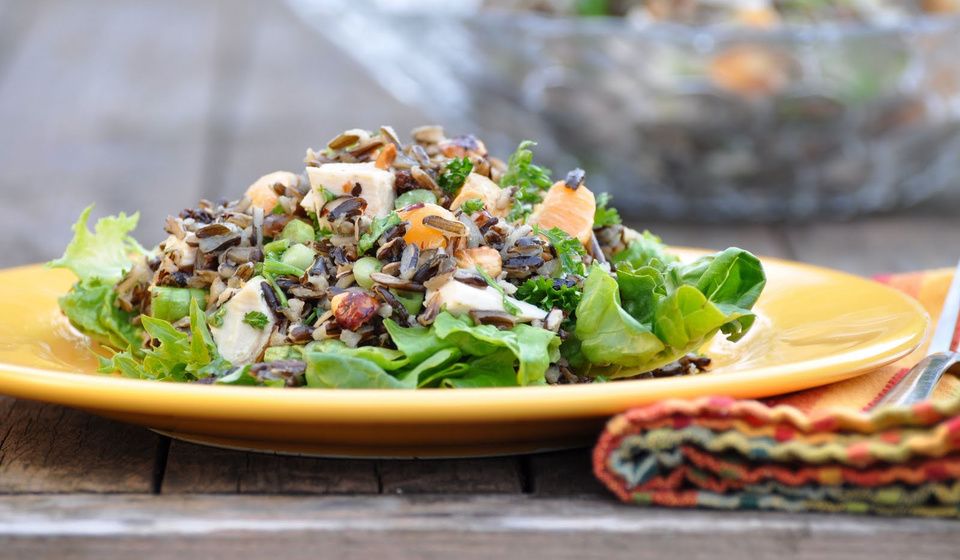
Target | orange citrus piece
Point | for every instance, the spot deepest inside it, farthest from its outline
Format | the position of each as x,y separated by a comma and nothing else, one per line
422,235
568,209
480,187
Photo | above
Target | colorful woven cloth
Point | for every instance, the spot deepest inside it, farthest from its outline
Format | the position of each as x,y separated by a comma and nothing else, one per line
817,450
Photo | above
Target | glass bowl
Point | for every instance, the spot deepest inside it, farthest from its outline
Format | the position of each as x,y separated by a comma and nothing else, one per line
712,123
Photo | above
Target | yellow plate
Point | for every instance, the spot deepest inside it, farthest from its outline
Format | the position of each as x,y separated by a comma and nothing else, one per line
816,326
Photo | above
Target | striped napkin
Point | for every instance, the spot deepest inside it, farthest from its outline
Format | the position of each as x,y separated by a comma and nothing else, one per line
816,450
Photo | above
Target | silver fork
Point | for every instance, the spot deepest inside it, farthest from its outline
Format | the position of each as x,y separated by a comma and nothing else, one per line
918,384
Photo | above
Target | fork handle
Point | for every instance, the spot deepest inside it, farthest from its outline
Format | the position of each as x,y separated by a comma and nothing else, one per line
918,384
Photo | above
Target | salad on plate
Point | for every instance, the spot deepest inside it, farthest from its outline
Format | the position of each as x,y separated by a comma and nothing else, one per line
402,265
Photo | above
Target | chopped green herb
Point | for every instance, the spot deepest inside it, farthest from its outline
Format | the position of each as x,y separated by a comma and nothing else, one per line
472,205
531,180
593,8
256,320
549,293
569,251
605,216
455,174
377,228
507,304
216,320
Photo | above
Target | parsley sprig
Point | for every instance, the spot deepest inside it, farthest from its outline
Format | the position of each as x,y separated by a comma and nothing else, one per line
256,319
455,174
549,293
530,179
570,251
472,205
605,216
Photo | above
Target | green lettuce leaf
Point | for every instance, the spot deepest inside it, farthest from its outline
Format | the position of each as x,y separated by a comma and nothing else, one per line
494,370
452,352
732,280
533,347
335,370
174,354
104,253
385,358
653,314
91,307
607,333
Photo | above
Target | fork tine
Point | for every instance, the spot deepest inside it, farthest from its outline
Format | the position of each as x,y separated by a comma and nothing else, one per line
942,339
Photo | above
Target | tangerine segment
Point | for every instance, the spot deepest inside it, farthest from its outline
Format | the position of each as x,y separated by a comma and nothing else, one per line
479,187
569,209
262,193
420,234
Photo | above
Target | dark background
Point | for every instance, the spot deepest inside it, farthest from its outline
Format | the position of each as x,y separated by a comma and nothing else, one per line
147,105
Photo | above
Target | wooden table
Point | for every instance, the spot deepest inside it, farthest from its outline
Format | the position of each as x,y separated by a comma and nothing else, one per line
151,105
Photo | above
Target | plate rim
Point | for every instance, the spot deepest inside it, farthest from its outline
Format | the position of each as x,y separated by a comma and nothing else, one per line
113,393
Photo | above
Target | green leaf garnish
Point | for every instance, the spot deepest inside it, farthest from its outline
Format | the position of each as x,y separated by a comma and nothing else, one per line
472,205
605,216
455,174
569,251
549,293
377,228
530,179
256,319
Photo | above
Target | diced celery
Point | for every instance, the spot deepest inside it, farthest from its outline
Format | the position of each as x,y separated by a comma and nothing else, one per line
363,268
172,304
299,256
413,197
297,231
275,353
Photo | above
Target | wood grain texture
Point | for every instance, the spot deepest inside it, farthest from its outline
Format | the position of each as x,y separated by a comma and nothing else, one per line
563,473
111,527
500,475
194,469
52,449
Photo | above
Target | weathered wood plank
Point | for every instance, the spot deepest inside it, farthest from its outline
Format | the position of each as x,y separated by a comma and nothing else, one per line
103,102
500,475
52,449
107,527
563,473
195,469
